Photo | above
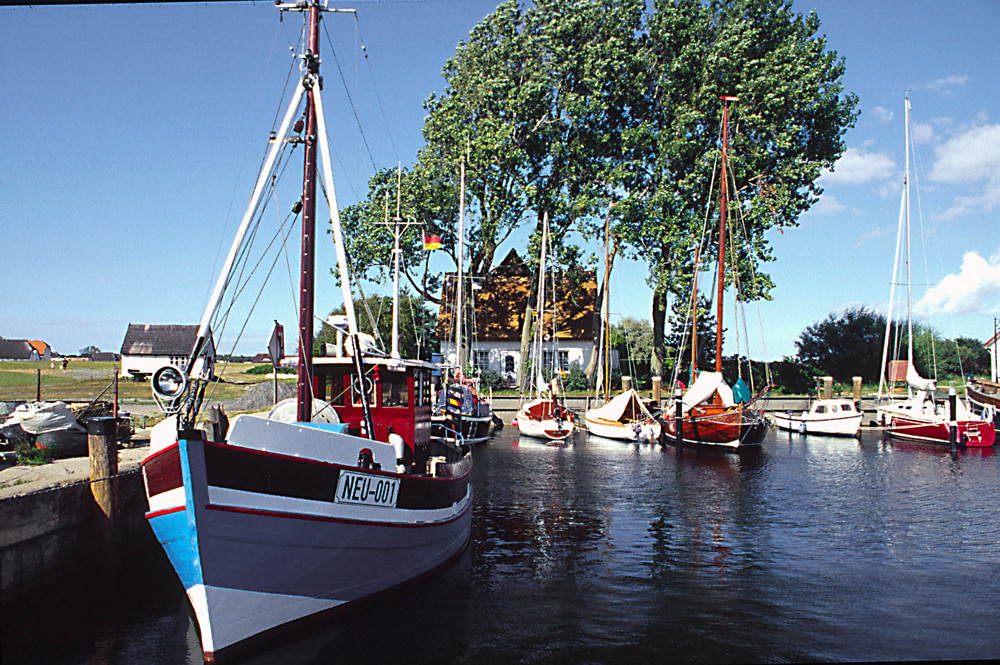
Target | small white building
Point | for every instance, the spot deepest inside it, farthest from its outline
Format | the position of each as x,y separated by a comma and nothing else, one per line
148,347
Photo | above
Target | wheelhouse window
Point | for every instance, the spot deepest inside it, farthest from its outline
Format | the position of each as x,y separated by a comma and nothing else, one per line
395,392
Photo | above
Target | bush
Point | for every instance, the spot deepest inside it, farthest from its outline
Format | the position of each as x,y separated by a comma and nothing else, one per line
575,379
267,369
489,379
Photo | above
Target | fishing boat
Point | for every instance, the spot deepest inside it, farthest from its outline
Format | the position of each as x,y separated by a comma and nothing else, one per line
459,409
919,415
834,417
543,414
711,414
269,520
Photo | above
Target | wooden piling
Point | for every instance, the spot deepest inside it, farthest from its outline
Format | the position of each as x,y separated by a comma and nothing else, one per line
626,383
102,439
656,389
857,389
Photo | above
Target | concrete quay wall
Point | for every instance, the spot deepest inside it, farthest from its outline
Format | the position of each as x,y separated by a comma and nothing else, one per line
57,531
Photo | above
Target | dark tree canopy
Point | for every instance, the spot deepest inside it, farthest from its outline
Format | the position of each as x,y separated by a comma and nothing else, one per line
845,345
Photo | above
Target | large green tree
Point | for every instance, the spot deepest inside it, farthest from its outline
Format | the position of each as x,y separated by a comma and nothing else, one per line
788,124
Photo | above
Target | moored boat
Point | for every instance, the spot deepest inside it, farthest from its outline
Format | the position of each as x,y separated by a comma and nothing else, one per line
711,415
918,416
625,418
837,417
269,520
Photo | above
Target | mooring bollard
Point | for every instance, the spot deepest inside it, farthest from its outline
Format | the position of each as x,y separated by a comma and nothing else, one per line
678,416
102,440
953,420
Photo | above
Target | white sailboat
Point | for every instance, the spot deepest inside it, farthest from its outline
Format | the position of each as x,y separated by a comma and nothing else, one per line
267,522
919,416
544,415
625,417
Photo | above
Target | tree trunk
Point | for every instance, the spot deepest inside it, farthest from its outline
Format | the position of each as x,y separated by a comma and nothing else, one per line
659,359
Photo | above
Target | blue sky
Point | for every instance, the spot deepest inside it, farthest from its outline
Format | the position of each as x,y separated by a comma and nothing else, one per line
131,135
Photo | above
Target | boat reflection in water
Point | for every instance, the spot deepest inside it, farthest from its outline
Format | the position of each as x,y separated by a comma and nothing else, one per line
812,549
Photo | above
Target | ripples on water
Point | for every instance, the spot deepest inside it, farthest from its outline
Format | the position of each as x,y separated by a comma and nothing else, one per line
814,549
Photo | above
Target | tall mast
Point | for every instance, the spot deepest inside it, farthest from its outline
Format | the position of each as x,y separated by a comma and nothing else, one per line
459,310
307,272
723,200
906,190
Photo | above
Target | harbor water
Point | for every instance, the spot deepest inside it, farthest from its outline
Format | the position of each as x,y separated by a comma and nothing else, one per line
813,549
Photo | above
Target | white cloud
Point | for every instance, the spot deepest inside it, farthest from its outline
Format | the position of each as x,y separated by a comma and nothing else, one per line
856,166
827,205
922,133
975,289
883,115
948,82
969,157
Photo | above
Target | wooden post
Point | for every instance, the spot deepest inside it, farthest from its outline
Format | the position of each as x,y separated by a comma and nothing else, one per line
656,389
827,387
115,412
953,421
38,385
857,389
102,440
678,417
626,383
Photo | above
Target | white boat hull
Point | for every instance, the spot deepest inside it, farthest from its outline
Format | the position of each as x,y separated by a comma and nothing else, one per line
833,426
632,431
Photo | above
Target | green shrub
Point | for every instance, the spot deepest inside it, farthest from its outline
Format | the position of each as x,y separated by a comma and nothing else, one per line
267,369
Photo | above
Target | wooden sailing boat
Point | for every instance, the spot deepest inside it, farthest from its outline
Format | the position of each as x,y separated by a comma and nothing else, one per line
919,416
460,412
625,417
544,415
710,415
268,521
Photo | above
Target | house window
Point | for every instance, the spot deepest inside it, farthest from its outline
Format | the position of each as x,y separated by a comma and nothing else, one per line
550,358
482,361
563,357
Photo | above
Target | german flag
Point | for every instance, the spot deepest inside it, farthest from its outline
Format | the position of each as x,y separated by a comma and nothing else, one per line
431,242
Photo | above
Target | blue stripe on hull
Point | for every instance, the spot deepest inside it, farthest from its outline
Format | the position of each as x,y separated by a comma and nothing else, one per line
179,541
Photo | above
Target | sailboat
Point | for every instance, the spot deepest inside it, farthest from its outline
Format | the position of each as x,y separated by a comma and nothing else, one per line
460,412
711,415
919,416
625,417
544,415
269,520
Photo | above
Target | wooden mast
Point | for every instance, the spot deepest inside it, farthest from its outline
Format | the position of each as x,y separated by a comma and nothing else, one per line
723,200
307,272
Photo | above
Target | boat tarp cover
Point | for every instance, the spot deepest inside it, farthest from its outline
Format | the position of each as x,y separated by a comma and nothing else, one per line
623,408
40,417
706,385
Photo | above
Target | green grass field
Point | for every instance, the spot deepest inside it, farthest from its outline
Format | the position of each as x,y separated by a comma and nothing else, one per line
83,380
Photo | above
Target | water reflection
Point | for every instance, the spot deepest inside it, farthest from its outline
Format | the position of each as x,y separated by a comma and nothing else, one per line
815,548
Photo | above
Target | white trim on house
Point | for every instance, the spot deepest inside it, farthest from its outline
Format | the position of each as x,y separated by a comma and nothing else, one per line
569,352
